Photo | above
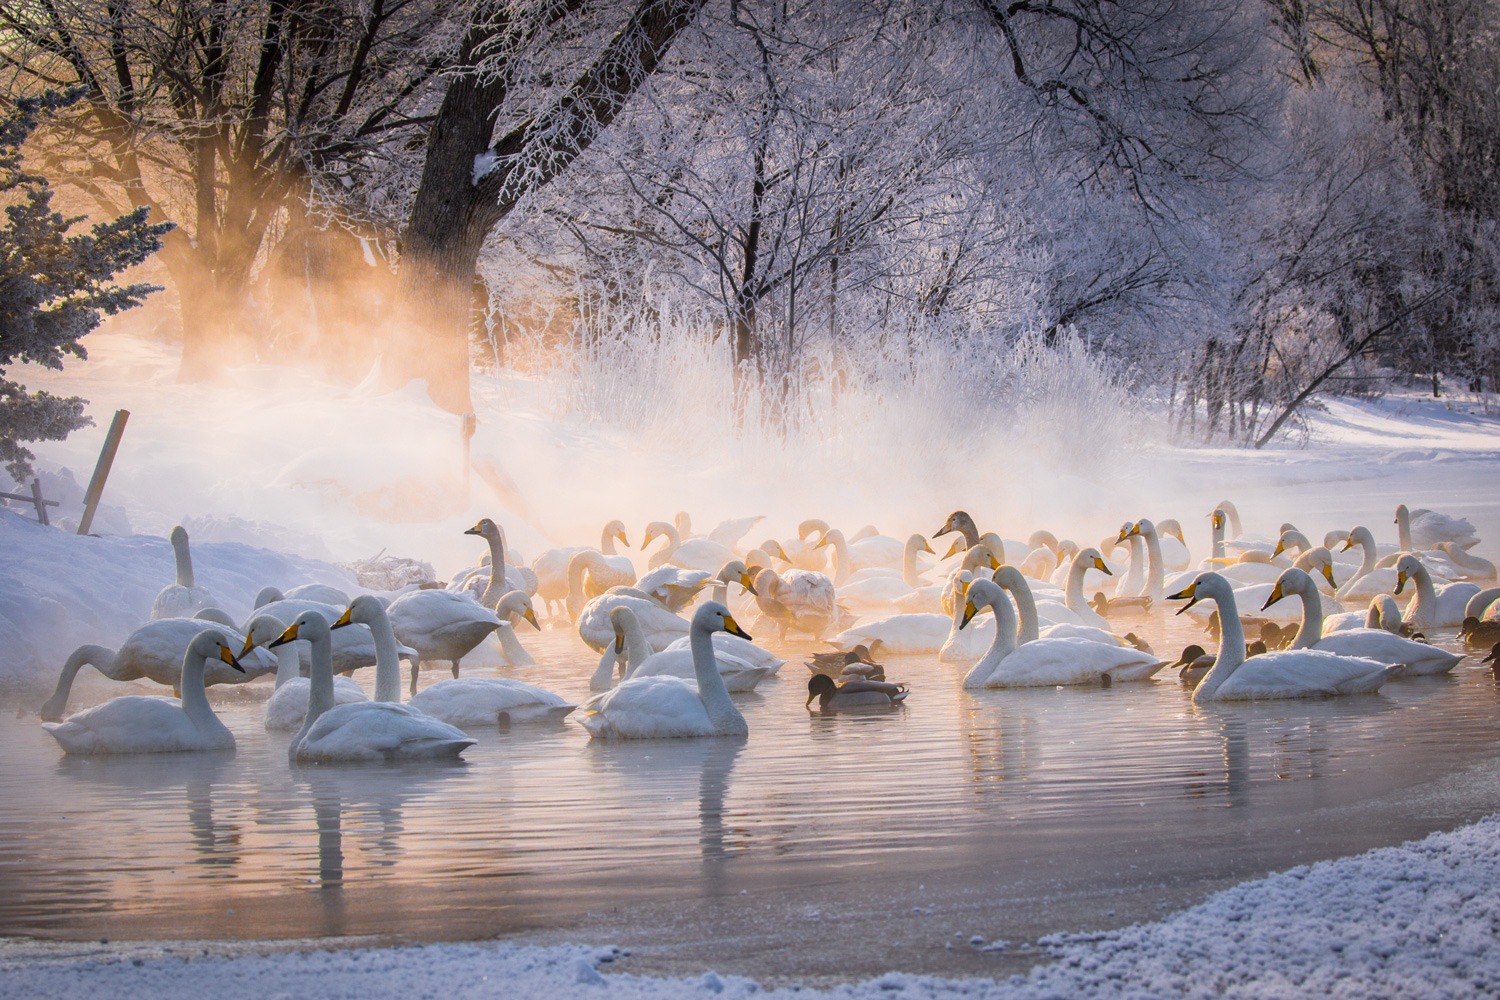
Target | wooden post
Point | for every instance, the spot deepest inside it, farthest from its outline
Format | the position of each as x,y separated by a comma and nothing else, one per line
36,498
101,470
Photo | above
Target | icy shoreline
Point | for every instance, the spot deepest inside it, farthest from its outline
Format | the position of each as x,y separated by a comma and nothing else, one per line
1419,920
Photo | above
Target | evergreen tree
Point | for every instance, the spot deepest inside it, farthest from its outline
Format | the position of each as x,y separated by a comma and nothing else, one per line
54,288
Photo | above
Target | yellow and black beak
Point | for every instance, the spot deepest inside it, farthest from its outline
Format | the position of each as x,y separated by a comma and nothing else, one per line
1280,547
1328,572
249,645
1124,533
476,530
347,618
1188,594
733,628
1400,580
530,616
290,635
1348,544
621,536
228,657
970,610
1276,595
927,548
748,583
953,549
1100,565
1218,520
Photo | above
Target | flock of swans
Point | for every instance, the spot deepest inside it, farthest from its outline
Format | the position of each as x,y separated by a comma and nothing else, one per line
672,653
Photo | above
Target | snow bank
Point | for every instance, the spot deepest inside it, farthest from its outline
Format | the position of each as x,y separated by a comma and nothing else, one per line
1416,921
63,590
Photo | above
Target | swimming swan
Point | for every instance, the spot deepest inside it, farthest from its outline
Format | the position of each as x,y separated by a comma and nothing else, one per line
662,707
1292,673
138,724
1373,644
154,652
370,731
286,709
1430,607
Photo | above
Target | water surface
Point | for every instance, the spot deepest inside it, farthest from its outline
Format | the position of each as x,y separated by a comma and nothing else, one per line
818,847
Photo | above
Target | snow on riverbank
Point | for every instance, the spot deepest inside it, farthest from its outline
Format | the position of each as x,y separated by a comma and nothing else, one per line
1417,921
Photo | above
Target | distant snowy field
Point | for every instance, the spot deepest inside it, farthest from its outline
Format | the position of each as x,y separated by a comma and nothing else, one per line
1417,921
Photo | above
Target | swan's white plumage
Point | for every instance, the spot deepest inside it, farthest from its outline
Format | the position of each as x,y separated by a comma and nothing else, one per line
137,724
482,701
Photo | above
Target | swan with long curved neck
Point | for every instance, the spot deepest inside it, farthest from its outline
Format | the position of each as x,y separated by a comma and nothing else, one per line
153,652
1288,673
1067,654
987,594
693,553
515,607
495,587
662,707
1374,644
843,565
366,731
181,599
286,709
1084,561
961,522
1217,519
1431,608
1233,514
739,674
1154,572
136,724
1291,538
603,573
1134,580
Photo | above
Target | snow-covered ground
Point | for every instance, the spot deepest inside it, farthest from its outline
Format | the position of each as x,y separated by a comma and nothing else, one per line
280,476
1417,921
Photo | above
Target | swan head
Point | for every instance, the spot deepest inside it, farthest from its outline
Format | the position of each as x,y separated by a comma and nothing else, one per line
308,625
365,609
1334,537
210,645
178,537
954,549
832,536
715,617
618,618
1042,538
981,594
1126,530
957,521
1358,535
735,569
1217,518
1172,527
517,603
1293,581
1401,512
920,542
1189,654
657,529
1091,558
1209,585
484,528
263,629
616,530
1408,567
683,522
766,581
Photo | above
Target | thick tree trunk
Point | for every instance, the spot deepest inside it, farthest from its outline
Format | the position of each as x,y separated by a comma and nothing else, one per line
454,211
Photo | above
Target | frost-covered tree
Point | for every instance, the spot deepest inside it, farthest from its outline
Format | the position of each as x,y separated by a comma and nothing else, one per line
54,288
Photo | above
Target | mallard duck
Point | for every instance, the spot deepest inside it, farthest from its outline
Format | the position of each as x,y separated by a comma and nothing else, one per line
853,695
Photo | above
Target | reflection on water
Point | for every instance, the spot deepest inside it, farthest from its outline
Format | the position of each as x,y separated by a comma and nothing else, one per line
539,827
